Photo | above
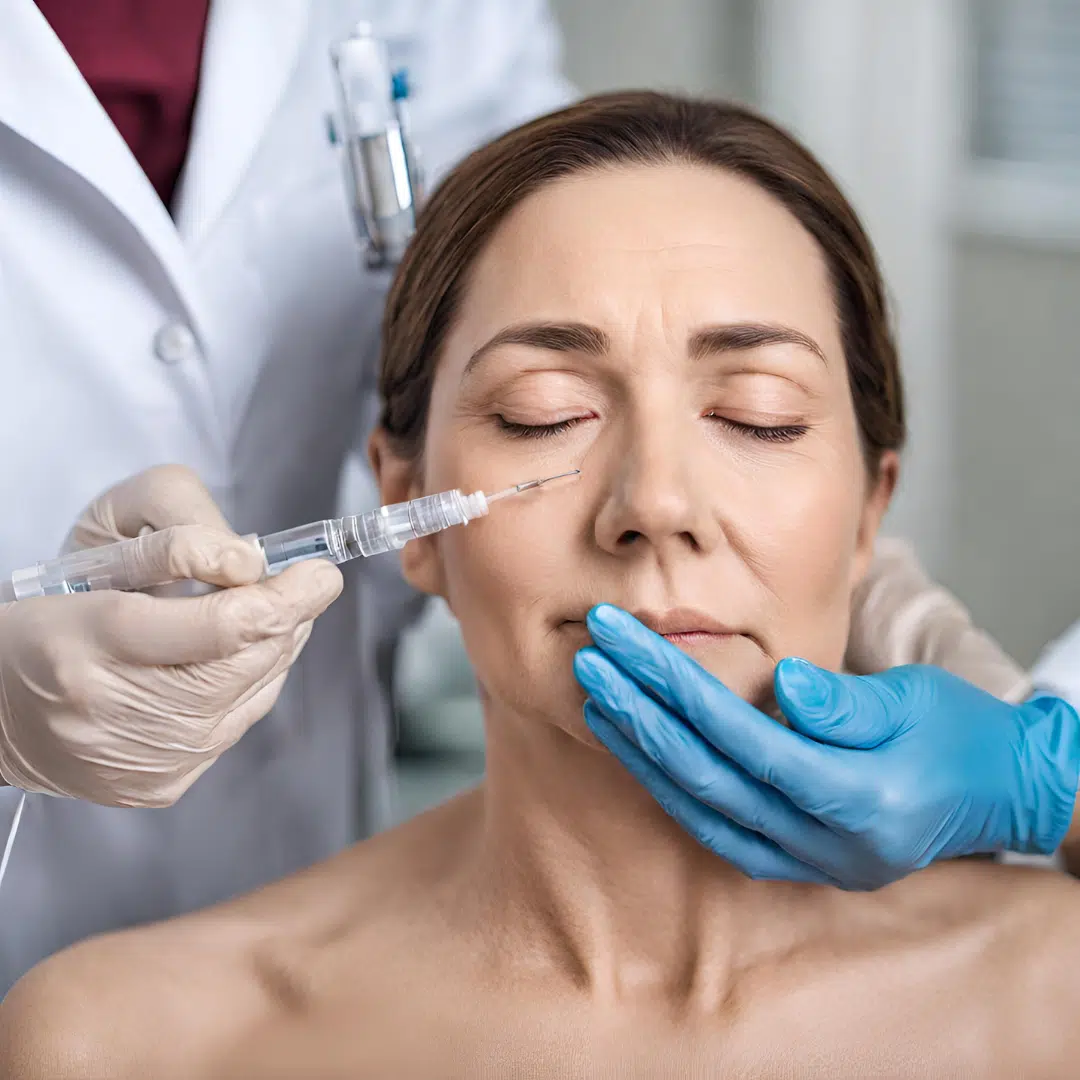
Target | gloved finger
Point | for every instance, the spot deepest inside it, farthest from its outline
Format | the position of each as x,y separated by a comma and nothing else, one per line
248,712
225,732
210,689
170,790
137,629
753,854
308,588
195,552
859,712
768,751
711,779
162,496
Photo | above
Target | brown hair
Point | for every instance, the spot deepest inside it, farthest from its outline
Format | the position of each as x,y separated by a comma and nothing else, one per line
635,128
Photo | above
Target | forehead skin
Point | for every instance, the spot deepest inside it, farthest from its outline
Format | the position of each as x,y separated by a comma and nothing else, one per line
649,251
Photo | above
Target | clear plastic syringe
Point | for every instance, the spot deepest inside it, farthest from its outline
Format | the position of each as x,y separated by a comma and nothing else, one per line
389,528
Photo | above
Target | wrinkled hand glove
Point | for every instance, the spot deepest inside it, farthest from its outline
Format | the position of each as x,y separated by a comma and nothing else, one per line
877,775
125,699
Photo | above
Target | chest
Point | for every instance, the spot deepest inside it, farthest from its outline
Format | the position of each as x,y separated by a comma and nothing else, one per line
456,1031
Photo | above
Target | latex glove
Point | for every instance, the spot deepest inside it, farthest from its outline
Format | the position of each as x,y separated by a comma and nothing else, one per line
125,699
877,776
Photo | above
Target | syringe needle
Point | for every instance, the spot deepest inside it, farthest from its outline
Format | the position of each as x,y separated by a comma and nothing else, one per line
517,489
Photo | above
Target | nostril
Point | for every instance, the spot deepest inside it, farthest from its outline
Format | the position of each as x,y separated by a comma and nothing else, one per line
691,541
628,537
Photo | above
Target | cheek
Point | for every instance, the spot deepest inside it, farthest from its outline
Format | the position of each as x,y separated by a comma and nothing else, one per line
501,573
802,543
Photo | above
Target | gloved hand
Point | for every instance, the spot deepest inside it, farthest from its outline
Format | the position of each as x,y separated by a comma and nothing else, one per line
125,699
877,776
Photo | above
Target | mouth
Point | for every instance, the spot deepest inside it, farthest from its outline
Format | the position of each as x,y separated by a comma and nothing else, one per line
684,626
681,626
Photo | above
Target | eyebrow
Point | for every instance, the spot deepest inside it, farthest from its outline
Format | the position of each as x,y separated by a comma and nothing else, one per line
583,338
736,337
553,337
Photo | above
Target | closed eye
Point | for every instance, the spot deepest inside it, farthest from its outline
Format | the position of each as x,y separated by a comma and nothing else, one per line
537,431
779,433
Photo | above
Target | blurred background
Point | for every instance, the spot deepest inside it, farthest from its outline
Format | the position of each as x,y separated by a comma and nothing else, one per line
954,126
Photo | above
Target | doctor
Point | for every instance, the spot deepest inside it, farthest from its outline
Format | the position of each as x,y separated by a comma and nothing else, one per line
179,281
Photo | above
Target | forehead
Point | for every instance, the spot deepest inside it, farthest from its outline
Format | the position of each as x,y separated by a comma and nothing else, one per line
658,247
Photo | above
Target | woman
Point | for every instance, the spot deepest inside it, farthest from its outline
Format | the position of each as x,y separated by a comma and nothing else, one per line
675,298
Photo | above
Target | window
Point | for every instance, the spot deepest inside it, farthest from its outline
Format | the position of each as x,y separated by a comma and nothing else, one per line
1021,170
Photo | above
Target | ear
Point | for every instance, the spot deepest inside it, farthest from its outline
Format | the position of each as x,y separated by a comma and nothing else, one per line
877,502
399,480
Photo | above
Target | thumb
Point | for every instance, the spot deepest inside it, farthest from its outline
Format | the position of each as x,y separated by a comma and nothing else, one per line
137,629
159,497
853,711
154,499
193,552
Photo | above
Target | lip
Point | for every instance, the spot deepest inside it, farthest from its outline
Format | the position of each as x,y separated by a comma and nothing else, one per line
682,623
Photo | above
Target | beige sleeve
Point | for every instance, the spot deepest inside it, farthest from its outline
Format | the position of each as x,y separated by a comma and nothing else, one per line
899,616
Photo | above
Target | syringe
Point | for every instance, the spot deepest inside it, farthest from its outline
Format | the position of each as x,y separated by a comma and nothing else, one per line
389,528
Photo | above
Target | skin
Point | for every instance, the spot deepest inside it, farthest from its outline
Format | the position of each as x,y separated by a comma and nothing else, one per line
555,922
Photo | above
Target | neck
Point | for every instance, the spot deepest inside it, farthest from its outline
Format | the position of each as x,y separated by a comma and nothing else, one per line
581,865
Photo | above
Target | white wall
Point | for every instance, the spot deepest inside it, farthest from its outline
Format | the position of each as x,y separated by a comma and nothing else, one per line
697,46
872,88
1016,517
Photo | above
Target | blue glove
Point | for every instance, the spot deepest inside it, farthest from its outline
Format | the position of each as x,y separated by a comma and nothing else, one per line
877,776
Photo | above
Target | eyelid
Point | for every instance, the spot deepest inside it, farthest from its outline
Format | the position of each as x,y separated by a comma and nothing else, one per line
524,419
537,431
788,431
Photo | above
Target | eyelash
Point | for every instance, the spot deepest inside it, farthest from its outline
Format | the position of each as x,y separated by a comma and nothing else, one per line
536,431
784,433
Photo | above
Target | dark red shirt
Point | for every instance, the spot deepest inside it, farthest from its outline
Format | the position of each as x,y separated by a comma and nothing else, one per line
141,58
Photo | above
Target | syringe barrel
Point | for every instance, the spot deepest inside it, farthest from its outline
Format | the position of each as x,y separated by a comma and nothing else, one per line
317,540
392,527
121,565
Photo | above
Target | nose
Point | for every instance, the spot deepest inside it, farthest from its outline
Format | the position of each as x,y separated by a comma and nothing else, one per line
658,497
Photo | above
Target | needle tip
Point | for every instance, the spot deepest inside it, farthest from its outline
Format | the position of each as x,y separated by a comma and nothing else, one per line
559,476
528,485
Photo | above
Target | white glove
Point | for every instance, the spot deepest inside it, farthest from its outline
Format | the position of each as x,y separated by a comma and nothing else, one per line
125,699
900,616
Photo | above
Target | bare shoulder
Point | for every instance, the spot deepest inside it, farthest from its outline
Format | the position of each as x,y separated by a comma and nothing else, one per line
1041,941
172,999
1021,963
158,1000
109,1006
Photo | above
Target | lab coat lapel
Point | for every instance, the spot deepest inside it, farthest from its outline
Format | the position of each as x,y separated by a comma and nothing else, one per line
250,52
45,100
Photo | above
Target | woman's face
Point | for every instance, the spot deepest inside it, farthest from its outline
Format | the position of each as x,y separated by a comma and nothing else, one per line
671,332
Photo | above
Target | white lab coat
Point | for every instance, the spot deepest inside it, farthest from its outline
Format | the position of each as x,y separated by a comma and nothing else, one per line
240,340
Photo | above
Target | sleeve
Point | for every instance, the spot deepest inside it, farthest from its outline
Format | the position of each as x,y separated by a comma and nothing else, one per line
900,616
1057,671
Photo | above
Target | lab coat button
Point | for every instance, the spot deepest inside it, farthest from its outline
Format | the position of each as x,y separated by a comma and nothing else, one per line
174,343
